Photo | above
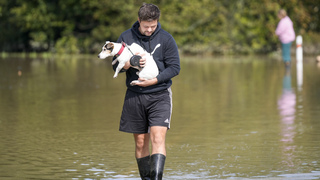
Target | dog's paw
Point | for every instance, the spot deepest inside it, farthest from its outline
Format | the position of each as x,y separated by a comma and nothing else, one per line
133,83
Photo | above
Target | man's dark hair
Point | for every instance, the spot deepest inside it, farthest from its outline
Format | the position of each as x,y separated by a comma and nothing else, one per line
149,12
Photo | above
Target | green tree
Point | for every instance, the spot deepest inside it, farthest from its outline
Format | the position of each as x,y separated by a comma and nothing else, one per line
199,26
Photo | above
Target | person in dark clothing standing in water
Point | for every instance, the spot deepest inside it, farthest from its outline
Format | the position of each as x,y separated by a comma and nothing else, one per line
147,106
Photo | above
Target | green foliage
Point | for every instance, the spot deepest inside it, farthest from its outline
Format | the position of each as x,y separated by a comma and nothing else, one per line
198,26
67,45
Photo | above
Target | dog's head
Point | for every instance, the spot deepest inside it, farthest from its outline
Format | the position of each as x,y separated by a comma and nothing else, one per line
106,50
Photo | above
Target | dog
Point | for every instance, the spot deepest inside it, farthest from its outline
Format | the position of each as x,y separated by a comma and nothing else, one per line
124,53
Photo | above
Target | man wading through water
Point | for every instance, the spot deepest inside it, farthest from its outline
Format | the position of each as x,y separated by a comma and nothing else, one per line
148,105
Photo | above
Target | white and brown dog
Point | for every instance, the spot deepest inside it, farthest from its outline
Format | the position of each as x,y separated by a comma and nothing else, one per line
124,53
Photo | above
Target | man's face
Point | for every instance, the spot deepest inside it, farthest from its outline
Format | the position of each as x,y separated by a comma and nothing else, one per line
147,27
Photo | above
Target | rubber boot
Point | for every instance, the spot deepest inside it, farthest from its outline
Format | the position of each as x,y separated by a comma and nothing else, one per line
157,166
144,167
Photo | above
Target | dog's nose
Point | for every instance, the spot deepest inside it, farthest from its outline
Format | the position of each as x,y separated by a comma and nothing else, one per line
98,56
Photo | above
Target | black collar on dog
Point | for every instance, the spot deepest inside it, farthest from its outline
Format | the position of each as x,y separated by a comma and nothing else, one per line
121,50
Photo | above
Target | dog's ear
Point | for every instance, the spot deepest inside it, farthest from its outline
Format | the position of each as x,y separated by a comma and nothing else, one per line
109,46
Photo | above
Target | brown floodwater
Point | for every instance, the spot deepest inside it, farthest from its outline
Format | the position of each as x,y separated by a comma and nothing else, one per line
233,118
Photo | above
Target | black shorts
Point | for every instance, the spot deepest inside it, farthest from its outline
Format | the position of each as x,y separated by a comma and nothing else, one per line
141,111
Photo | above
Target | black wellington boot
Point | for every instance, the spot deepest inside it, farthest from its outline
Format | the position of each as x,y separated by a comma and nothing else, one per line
144,167
157,166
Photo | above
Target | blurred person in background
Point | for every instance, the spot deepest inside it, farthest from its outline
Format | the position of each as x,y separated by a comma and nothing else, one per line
286,35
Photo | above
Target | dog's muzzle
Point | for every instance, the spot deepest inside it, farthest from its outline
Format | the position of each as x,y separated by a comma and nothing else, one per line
135,60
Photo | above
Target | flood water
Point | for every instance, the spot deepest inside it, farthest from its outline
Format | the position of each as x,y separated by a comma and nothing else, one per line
233,118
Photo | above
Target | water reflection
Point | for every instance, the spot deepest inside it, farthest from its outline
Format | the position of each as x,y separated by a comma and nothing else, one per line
287,101
299,66
287,110
59,119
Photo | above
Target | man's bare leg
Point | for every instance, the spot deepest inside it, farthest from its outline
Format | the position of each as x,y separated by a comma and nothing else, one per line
158,139
143,155
158,157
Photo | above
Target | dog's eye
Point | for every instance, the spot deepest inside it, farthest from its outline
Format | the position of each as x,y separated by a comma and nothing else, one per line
109,46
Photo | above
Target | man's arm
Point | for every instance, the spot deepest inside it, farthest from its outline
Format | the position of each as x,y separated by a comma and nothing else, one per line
171,61
144,83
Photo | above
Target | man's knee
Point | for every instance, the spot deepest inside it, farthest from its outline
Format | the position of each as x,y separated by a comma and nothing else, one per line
158,139
158,134
141,145
142,141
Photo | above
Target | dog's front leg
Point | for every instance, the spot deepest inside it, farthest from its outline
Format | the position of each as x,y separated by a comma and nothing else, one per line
118,69
114,61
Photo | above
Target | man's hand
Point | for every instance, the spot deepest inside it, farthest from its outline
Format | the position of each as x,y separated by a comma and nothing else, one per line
144,83
143,59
